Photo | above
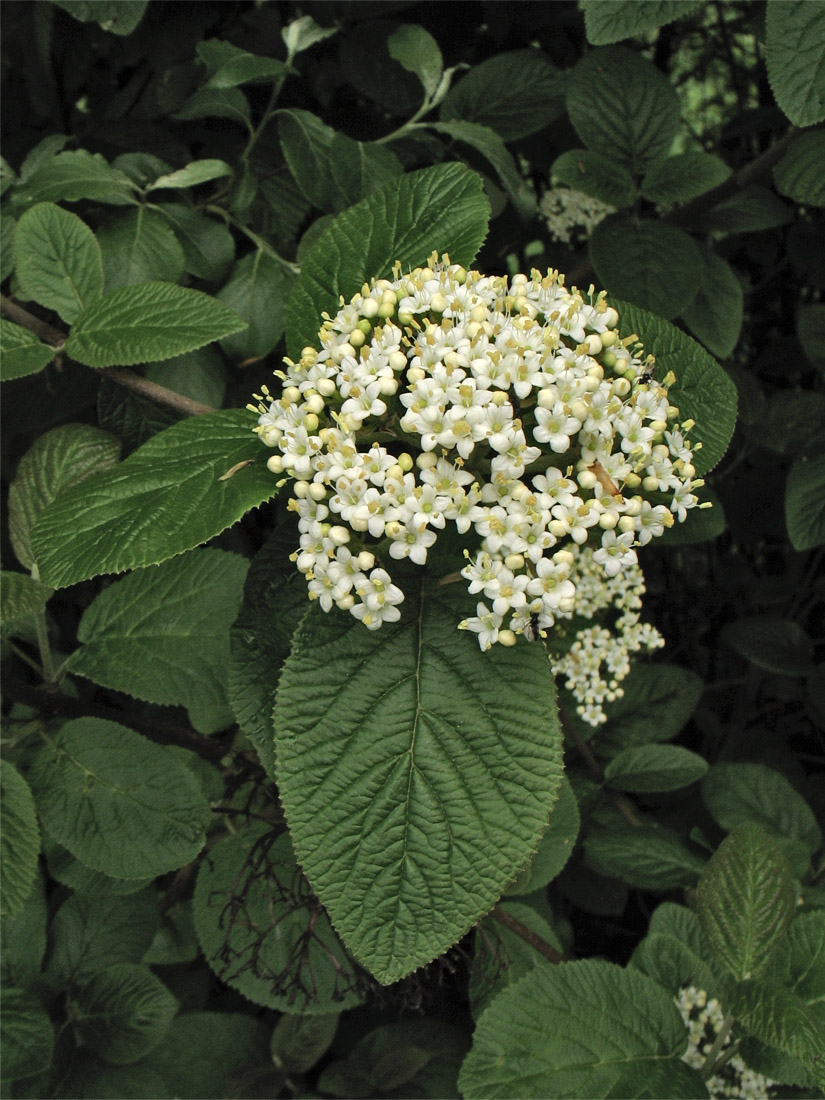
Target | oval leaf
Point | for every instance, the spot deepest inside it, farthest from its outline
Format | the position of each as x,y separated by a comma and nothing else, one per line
21,352
123,1012
795,47
99,786
646,769
58,262
165,498
609,21
19,841
147,323
774,644
805,502
416,773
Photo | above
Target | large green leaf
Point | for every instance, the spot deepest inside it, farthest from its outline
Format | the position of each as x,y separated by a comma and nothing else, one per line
646,857
441,208
417,774
360,167
19,841
56,461
274,601
795,47
653,265
147,323
555,847
486,142
514,93
715,314
227,66
583,1029
162,634
745,900
306,143
645,769
805,502
417,51
118,802
783,1020
27,1036
21,352
800,174
657,701
70,177
596,175
675,952
20,595
208,246
58,261
257,291
91,931
262,931
609,21
24,939
117,16
165,498
138,246
799,960
702,390
772,643
621,105
122,1012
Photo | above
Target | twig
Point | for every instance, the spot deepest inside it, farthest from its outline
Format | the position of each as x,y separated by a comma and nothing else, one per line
527,934
26,320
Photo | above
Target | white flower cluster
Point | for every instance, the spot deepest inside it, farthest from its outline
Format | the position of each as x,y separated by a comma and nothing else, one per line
599,658
512,411
704,1018
572,214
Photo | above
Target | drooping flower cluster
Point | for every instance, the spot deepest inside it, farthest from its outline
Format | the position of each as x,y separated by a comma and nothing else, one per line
512,411
704,1018
599,658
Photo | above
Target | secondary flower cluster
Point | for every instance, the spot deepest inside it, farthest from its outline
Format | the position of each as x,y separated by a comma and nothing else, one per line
572,215
704,1019
510,410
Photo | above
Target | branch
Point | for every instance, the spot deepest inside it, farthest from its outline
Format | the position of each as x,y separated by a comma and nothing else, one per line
153,390
542,946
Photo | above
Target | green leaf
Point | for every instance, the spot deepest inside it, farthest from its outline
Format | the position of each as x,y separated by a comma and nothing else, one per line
359,168
132,418
166,498
58,260
774,644
783,1020
715,314
68,871
208,247
146,323
91,931
56,462
43,152
417,51
274,601
120,17
799,960
658,700
595,175
702,390
262,931
416,773
800,174
795,49
298,1042
8,176
19,841
208,102
199,374
70,177
306,143
489,145
675,952
621,105
21,595
790,422
515,93
257,291
7,226
805,502
137,247
754,209
609,21
24,939
302,33
745,900
228,65
653,265
27,1036
366,64
584,1029
648,769
122,1012
810,330
202,1052
441,208
741,792
98,786
21,352
684,177
197,171
646,857
162,634
555,847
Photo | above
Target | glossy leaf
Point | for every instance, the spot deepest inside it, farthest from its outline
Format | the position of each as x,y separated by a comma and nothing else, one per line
99,785
208,247
70,177
197,171
228,66
306,143
20,595
117,16
436,770
745,901
418,52
58,260
165,498
486,142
